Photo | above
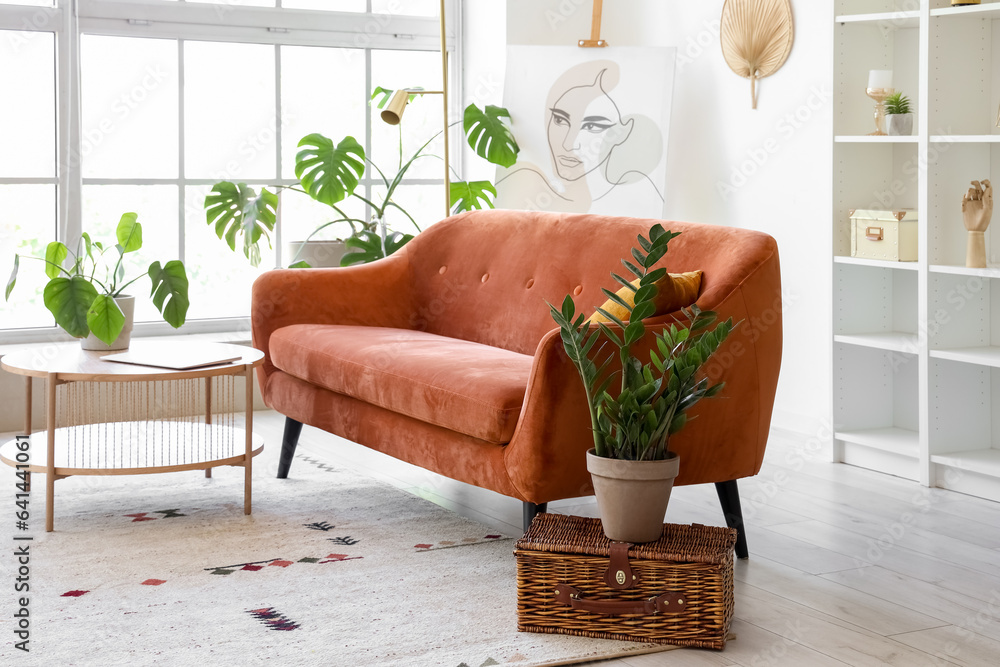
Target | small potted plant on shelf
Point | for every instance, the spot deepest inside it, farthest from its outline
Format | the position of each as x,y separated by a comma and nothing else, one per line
631,464
330,172
899,119
86,294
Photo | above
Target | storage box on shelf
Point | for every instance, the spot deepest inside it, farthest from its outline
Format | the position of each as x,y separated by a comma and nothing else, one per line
876,409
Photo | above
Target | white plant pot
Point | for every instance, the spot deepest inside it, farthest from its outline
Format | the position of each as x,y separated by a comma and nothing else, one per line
92,342
899,124
315,253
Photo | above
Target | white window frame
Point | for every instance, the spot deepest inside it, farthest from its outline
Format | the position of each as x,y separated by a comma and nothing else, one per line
183,21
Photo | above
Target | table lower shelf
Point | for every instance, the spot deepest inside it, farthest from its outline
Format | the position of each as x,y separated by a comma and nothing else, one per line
136,448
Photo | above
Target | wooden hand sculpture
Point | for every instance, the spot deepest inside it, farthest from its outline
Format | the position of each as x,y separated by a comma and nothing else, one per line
977,209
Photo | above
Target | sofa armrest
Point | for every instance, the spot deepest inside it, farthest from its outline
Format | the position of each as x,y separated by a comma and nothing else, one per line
378,294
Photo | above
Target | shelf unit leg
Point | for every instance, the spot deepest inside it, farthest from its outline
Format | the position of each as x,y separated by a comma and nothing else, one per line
248,455
50,463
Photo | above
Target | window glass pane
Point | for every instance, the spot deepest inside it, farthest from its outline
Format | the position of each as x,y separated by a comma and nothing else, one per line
30,3
322,90
422,119
220,279
425,203
328,5
229,111
27,116
406,7
27,225
129,97
156,206
301,215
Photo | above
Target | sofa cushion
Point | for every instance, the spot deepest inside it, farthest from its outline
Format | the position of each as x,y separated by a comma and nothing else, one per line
674,291
463,386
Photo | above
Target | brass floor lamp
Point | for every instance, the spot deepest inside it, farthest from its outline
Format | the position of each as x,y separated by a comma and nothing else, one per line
393,112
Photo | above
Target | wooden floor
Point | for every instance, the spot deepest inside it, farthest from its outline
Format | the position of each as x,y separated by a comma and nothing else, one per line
847,566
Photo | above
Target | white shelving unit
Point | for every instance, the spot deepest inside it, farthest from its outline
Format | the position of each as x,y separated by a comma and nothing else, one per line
916,349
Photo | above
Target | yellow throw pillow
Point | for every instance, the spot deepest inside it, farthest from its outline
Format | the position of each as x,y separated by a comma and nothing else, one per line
674,291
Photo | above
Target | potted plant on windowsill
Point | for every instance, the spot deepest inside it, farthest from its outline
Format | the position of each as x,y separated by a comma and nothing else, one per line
631,464
899,120
330,172
87,296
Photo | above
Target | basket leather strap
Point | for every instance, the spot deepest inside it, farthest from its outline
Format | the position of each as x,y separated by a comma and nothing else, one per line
619,575
667,603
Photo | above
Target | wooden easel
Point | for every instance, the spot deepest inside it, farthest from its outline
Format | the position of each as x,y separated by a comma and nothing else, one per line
595,29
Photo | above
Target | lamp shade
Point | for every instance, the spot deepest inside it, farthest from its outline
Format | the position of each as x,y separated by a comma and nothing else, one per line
393,113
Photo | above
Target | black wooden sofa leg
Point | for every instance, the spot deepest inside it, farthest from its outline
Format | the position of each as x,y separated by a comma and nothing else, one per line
729,497
288,442
530,510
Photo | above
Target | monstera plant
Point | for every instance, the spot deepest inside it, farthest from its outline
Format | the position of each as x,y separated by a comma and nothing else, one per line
330,172
86,288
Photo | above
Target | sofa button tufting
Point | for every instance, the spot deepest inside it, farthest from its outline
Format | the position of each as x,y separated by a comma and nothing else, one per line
486,277
442,270
530,283
578,291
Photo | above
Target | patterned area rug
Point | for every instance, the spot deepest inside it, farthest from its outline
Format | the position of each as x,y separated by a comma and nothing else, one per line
330,569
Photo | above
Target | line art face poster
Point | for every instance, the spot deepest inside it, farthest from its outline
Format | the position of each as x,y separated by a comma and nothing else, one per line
592,125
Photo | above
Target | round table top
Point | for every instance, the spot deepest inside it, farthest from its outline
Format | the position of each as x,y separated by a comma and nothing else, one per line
71,362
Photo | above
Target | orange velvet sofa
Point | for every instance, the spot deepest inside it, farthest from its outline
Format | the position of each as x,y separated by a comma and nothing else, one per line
444,355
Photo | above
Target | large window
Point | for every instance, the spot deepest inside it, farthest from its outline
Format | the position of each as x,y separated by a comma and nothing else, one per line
142,106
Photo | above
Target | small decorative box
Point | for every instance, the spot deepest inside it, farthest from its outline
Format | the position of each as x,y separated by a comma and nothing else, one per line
573,580
885,235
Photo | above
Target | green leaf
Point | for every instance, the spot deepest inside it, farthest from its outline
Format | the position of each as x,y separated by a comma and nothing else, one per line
612,336
654,256
367,247
170,291
634,331
635,270
237,209
129,235
383,95
466,196
653,276
13,278
69,299
611,317
568,307
678,423
646,293
639,257
617,299
623,282
55,255
302,264
329,173
488,133
105,318
643,310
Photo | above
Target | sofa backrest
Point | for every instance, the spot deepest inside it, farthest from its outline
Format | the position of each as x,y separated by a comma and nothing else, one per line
485,276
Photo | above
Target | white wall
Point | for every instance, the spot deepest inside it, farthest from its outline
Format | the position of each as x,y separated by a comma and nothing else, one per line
769,169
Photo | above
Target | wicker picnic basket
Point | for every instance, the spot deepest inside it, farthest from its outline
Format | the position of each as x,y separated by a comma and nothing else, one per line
573,580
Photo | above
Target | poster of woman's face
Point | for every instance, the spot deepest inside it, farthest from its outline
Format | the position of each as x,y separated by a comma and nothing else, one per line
592,126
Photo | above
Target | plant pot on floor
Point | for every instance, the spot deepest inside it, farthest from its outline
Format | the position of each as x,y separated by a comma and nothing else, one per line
92,342
632,496
899,124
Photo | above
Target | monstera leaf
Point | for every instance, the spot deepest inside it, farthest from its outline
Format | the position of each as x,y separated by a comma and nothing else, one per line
367,247
170,291
105,319
329,173
235,208
129,234
466,196
489,134
69,300
381,96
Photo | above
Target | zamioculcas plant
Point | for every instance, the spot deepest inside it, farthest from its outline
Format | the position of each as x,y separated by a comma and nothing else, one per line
655,393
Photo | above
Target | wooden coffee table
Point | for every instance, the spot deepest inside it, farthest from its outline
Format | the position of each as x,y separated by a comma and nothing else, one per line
108,418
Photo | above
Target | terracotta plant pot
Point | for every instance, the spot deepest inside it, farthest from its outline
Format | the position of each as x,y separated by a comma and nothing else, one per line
92,342
632,495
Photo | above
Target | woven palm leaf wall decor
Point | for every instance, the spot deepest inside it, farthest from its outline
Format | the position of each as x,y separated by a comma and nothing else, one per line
756,38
